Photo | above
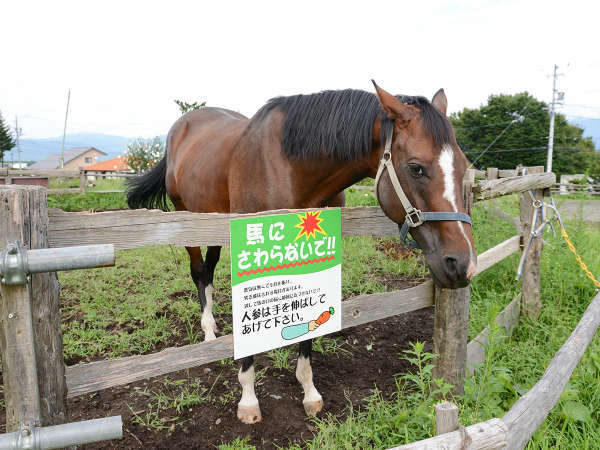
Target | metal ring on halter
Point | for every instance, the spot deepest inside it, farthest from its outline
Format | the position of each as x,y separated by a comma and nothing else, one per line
414,222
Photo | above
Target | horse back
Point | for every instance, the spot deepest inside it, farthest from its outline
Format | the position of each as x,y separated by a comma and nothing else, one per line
198,151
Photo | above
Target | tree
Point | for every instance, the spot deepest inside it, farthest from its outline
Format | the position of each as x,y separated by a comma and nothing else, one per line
7,141
186,107
525,141
142,154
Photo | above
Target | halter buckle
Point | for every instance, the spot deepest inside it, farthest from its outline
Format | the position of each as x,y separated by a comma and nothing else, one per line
413,218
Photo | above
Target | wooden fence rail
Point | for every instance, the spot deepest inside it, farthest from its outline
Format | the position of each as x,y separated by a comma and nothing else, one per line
140,228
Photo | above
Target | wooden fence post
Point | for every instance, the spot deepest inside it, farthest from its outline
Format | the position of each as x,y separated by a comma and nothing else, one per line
82,181
451,319
24,218
531,302
492,173
446,418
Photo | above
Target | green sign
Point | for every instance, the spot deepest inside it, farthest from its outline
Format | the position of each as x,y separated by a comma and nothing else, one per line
286,279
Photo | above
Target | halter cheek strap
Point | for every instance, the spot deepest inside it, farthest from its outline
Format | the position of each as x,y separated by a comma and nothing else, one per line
414,217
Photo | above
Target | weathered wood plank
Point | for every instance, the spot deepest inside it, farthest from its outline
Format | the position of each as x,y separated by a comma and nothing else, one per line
497,253
528,413
446,418
488,435
44,376
21,392
486,189
479,173
139,228
44,291
507,173
450,335
66,173
531,287
507,319
85,378
492,173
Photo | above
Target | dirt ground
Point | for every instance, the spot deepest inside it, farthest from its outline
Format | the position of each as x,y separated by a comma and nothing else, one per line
279,393
374,350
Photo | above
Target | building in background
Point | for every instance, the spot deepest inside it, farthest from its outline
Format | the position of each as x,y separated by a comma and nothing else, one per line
74,158
105,168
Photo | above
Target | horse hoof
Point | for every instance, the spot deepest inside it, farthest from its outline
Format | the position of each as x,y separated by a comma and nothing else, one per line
249,414
312,408
209,336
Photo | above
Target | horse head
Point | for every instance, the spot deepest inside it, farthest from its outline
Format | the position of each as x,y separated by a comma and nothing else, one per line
424,177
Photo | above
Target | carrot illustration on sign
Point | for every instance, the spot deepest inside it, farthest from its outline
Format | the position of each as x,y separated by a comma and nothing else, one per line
295,331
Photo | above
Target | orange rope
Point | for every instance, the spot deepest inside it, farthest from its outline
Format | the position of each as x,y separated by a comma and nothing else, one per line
578,258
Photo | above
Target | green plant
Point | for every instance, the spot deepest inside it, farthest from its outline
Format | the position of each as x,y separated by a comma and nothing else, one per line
281,358
329,346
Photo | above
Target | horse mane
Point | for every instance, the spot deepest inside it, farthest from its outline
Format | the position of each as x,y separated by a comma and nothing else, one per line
339,124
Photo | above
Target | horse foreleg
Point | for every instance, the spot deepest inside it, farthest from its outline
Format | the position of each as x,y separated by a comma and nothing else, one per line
313,402
248,408
203,274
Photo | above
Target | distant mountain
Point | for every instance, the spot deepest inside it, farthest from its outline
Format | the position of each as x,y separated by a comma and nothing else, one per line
591,128
37,149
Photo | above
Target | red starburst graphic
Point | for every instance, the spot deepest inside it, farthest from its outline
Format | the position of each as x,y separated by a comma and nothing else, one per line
310,225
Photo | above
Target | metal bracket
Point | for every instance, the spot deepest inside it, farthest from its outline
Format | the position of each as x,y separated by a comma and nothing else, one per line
13,265
27,437
16,263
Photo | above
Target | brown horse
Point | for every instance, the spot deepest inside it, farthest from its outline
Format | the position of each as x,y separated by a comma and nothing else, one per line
302,152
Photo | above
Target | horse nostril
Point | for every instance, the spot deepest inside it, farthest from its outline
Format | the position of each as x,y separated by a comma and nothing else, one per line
451,267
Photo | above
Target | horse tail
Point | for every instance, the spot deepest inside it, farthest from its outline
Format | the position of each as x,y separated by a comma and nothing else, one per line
149,190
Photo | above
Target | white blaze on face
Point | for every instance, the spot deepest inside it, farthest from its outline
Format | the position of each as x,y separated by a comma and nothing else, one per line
447,166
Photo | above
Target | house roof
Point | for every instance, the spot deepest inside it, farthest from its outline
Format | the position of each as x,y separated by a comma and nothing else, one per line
53,161
114,165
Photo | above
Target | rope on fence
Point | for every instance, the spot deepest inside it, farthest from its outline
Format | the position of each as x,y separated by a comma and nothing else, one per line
578,258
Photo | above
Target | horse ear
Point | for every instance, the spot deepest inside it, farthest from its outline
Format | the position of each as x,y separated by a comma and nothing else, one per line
440,102
393,107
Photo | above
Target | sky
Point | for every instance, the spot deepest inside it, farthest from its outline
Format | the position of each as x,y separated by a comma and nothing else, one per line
126,61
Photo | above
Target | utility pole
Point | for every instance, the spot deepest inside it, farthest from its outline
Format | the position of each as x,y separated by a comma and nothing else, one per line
62,148
556,98
18,134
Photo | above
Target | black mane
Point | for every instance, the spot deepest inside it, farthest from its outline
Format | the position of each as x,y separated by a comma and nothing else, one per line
339,124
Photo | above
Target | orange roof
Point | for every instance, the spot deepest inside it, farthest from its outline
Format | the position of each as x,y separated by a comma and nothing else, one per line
115,164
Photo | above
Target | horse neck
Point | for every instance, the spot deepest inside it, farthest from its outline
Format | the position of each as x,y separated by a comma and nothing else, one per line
325,179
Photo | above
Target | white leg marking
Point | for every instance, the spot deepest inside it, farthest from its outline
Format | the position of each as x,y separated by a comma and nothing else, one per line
313,402
248,409
447,166
209,326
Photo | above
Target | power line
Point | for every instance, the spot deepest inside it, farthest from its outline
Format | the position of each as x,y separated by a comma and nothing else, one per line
501,133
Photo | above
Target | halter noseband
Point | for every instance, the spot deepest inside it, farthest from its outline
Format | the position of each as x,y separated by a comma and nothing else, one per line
414,217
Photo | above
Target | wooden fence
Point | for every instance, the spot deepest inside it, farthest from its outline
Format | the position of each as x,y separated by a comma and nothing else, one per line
131,229
81,174
571,188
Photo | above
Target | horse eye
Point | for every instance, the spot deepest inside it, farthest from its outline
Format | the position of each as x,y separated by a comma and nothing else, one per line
416,170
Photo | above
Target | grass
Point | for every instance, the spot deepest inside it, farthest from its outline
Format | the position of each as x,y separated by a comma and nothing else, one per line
148,301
